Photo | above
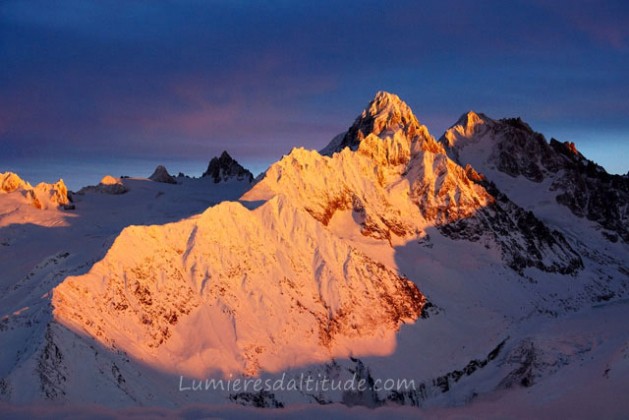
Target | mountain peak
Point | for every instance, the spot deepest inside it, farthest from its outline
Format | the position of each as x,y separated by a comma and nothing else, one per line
225,167
384,117
466,126
385,114
383,95
471,119
161,175
10,182
42,196
387,102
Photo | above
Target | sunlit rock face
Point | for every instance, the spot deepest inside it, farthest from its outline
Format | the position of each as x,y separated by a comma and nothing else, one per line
398,182
387,168
390,119
42,196
10,182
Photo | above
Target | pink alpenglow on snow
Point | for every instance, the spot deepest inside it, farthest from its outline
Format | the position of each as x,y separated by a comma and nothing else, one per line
42,196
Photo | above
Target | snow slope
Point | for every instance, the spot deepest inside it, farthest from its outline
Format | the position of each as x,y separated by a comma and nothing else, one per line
40,247
522,163
273,287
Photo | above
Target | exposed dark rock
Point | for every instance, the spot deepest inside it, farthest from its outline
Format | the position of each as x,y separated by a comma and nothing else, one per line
524,240
224,168
582,185
262,399
161,175
51,369
444,383
368,396
526,358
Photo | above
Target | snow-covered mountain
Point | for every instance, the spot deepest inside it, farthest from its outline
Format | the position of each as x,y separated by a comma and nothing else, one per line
398,182
387,255
274,288
42,196
509,146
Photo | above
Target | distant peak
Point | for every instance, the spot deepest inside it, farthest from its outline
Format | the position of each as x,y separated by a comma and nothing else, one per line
466,126
224,168
108,185
472,118
42,196
161,175
110,180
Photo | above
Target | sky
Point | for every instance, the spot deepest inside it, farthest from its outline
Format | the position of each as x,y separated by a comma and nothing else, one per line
101,81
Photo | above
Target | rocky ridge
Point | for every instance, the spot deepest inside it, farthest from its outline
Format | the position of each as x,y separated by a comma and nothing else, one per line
224,168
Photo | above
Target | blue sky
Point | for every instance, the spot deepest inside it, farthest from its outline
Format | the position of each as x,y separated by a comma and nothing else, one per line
187,79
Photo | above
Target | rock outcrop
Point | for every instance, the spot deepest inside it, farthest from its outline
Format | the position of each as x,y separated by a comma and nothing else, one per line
225,168
161,175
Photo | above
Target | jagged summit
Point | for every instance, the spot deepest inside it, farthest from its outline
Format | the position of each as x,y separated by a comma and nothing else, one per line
225,167
466,126
42,196
387,113
567,148
472,117
517,123
510,146
385,117
472,120
10,182
161,175
401,182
